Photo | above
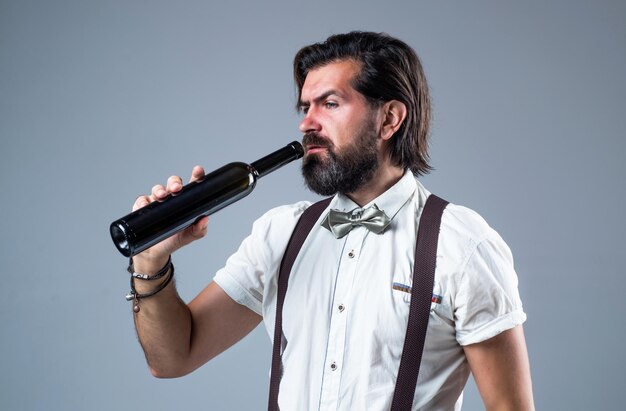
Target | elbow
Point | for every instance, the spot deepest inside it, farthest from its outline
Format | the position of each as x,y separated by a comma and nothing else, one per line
172,366
167,373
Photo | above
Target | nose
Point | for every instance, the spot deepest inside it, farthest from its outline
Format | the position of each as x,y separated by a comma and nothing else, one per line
309,122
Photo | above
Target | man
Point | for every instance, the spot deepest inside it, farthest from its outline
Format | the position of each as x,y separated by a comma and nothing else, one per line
365,108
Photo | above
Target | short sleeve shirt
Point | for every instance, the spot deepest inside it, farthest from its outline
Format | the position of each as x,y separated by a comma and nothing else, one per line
346,309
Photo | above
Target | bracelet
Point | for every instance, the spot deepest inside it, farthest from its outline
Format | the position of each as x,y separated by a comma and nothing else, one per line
159,274
134,295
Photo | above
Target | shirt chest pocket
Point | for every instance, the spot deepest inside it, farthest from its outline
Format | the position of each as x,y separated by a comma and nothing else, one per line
402,290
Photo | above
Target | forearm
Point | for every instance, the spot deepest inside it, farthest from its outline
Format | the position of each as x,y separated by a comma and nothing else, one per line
163,324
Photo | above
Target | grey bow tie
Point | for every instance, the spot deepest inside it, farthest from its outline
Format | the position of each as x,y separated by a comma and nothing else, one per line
340,223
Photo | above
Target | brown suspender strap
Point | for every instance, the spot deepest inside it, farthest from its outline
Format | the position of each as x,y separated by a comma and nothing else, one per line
300,233
421,298
419,310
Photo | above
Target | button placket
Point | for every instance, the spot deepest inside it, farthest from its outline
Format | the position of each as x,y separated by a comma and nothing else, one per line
338,322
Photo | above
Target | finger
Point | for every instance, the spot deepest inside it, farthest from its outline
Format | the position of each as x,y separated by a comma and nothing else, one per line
203,223
197,173
192,233
199,228
174,184
141,201
159,192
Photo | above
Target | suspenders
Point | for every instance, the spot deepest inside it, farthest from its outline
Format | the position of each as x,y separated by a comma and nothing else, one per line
419,310
303,227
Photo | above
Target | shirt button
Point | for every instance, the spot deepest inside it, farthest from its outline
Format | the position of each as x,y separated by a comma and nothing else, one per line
341,307
351,254
333,366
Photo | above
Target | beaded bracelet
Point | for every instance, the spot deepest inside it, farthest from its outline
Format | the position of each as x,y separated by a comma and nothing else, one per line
159,274
134,295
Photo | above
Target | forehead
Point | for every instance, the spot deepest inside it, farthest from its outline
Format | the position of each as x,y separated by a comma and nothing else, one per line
333,76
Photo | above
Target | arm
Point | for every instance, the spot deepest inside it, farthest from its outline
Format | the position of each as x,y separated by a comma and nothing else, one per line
178,338
501,369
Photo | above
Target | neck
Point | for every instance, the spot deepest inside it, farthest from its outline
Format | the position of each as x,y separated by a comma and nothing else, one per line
384,178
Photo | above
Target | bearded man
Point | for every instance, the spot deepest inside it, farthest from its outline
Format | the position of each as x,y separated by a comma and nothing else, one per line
366,110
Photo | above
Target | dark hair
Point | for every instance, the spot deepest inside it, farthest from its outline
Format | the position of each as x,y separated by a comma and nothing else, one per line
390,70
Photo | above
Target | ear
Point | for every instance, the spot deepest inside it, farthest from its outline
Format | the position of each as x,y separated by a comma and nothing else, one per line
394,113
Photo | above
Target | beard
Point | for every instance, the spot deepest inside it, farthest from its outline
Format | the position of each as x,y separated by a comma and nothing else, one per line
342,171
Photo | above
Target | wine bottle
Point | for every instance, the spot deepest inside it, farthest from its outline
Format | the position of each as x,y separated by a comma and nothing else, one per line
155,222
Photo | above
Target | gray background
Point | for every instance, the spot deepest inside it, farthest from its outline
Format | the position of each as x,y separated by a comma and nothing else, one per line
99,100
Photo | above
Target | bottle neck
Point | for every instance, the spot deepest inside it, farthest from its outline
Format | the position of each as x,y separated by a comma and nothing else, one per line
278,158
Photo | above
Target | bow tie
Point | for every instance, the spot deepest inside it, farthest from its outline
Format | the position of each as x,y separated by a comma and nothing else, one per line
340,223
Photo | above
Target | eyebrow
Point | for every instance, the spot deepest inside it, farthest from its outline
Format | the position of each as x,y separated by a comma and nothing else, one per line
321,97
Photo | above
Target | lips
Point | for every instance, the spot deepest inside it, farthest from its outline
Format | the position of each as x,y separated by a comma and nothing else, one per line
313,149
314,143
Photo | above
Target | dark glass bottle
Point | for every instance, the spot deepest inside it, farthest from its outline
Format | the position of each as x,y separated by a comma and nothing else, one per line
149,225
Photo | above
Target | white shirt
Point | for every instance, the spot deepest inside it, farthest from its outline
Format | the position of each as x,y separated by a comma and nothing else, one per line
346,308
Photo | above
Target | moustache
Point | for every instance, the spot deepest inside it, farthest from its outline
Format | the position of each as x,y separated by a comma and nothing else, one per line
314,139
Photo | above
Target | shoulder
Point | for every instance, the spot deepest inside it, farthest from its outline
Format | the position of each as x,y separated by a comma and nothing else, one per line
465,235
464,223
248,271
457,222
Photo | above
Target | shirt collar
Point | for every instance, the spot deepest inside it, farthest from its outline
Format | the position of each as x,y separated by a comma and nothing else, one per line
391,201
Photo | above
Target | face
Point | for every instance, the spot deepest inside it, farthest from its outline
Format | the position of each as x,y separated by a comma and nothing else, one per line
340,131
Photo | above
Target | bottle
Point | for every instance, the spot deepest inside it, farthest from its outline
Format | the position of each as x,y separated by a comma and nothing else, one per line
155,222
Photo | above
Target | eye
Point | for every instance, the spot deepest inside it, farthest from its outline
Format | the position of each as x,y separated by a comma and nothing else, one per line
303,109
331,105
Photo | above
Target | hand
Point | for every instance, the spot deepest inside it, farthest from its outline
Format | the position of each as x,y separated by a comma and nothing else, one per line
155,257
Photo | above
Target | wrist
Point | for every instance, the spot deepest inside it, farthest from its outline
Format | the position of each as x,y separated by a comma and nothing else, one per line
143,286
143,290
147,264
